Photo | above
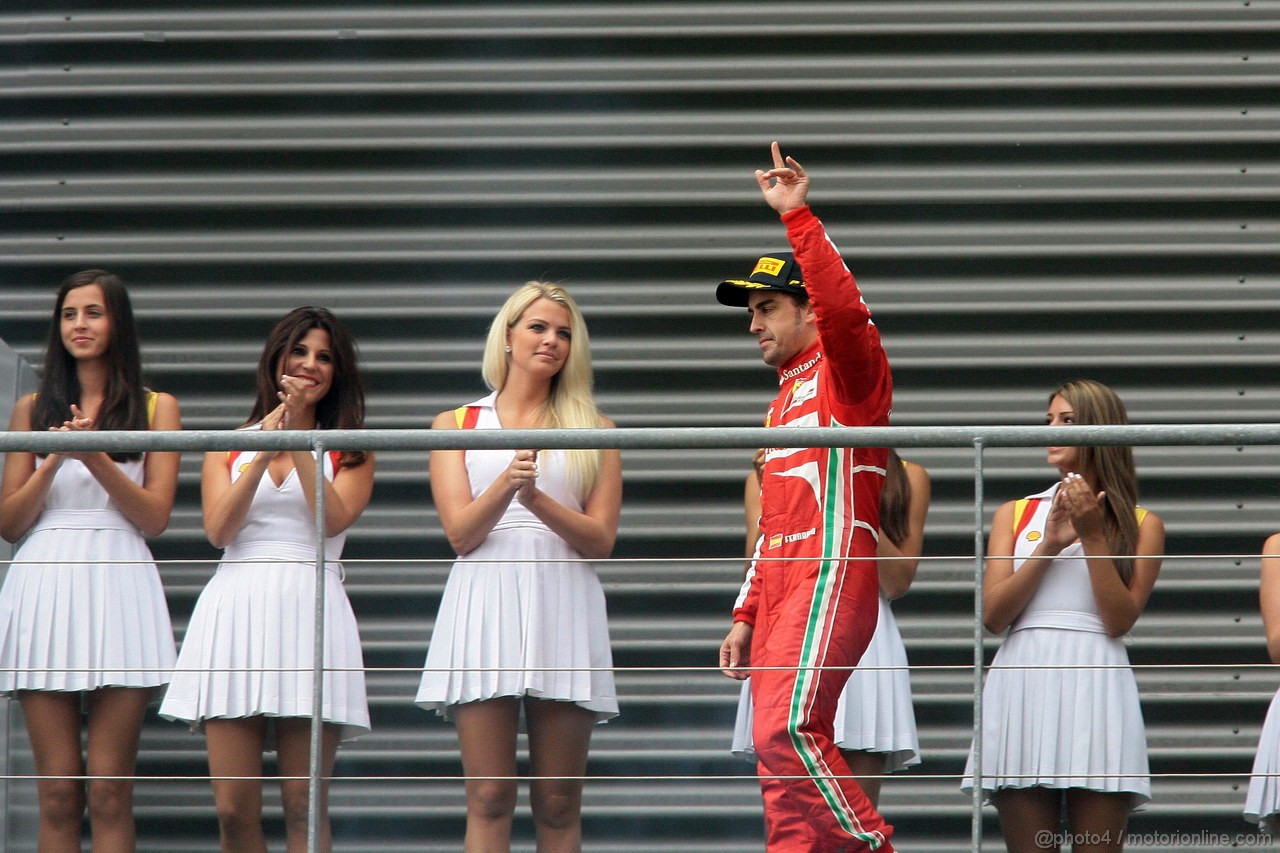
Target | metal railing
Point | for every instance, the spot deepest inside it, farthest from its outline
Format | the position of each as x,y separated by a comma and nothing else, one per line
978,438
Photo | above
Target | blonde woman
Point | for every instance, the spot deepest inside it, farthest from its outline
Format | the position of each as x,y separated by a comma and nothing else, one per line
522,598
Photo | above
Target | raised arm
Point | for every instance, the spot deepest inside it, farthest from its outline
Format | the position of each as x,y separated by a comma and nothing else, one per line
851,343
785,187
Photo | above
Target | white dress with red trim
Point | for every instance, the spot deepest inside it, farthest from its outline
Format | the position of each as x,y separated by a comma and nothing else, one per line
523,614
82,606
875,713
249,648
1262,805
1076,726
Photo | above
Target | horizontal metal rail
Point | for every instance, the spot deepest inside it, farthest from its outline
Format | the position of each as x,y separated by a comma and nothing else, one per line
976,438
657,438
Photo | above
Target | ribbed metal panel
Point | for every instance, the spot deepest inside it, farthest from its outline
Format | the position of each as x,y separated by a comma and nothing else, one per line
1027,192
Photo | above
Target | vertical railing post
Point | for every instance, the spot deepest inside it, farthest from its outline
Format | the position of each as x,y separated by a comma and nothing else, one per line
317,661
978,561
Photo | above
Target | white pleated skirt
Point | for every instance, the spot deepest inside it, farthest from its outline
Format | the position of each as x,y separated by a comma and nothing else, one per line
1063,728
1262,805
518,619
875,713
249,649
71,625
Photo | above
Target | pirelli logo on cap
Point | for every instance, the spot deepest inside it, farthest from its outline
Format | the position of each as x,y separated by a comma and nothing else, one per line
769,266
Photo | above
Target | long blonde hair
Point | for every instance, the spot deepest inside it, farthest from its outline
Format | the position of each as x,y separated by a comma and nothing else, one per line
1111,466
571,404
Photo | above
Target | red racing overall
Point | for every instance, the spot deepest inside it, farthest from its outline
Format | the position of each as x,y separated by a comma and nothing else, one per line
809,606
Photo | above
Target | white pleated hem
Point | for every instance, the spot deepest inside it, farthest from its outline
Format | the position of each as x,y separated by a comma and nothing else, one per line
346,730
1262,804
1077,727
67,625
604,709
248,650
517,618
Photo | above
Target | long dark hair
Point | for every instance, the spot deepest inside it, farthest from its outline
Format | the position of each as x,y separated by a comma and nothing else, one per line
125,403
895,500
343,406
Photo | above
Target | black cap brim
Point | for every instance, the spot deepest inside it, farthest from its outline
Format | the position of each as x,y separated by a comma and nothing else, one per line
735,292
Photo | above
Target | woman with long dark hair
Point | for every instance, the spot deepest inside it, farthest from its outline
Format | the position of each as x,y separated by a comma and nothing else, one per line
84,627
1069,573
521,600
245,666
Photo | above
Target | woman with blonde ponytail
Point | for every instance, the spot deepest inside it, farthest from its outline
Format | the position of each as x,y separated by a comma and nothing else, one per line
522,600
1069,571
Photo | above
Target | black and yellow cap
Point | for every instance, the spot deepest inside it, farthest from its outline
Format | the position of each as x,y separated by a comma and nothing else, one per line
777,271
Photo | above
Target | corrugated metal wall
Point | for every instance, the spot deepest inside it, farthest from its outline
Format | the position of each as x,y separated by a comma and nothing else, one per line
1027,192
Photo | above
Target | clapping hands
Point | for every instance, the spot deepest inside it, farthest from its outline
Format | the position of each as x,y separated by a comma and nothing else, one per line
1076,512
79,422
522,473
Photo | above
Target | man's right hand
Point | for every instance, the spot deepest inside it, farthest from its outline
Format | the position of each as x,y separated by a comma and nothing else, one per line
785,187
735,652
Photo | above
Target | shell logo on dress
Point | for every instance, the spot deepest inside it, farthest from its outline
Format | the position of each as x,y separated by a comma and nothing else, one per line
1033,536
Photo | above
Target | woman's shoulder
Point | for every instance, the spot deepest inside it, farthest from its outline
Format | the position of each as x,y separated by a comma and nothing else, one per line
464,416
915,472
20,419
1035,500
446,420
162,410
1005,510
161,401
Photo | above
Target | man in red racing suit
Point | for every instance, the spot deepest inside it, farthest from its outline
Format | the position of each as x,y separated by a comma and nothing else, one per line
808,607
